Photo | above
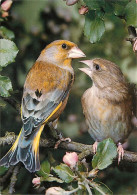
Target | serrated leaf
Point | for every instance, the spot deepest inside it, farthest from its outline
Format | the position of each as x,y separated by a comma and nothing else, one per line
92,4
101,189
6,33
94,26
64,172
45,169
106,152
51,179
8,52
5,86
131,13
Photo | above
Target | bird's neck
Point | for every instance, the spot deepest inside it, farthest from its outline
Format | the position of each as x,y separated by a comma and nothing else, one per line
64,64
113,95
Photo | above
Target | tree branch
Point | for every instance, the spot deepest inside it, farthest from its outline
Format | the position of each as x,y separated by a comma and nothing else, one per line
14,179
132,36
6,176
84,149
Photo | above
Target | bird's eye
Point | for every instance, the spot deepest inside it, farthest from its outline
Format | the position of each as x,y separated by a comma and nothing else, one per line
97,67
64,46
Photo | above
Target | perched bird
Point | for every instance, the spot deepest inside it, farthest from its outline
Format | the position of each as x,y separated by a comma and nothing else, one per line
108,104
46,91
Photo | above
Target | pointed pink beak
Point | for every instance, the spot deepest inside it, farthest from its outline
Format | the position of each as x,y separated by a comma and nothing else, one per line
75,52
87,62
88,69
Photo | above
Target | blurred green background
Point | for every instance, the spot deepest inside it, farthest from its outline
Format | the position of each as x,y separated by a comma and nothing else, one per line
36,23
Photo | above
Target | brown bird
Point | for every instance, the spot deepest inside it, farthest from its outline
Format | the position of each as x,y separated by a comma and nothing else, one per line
45,95
108,104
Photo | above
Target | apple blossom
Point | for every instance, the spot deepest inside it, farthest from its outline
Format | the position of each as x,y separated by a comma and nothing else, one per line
6,5
36,181
70,158
54,191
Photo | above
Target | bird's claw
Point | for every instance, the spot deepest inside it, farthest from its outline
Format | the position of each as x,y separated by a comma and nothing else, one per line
95,145
61,140
120,151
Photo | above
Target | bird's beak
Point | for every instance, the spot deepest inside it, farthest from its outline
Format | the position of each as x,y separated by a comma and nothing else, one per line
75,52
87,70
89,63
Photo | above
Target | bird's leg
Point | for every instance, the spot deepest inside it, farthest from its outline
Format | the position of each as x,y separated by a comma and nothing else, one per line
95,145
53,127
53,131
120,151
61,139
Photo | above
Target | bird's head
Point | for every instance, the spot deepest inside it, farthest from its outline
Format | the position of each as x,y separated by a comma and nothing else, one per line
61,52
106,75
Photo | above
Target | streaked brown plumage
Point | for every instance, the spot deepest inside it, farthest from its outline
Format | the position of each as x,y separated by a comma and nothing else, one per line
108,104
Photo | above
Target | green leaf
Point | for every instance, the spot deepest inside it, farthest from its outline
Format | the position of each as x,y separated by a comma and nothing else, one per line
64,172
101,189
131,13
51,179
3,170
106,151
118,10
5,86
94,26
45,169
8,52
95,4
122,3
6,33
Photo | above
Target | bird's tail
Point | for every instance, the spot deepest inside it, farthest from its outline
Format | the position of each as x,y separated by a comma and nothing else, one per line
25,150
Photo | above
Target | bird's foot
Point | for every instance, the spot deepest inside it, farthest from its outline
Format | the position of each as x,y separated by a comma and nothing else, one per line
120,151
95,145
58,135
62,139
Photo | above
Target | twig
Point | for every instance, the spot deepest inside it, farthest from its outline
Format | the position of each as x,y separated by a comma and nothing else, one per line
14,179
132,34
83,149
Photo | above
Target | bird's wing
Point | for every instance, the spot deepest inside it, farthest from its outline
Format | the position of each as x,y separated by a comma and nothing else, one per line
133,92
135,102
44,95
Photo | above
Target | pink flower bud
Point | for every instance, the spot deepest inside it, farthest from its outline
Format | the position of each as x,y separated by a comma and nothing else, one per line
54,191
5,14
71,2
36,181
83,10
70,159
135,46
6,5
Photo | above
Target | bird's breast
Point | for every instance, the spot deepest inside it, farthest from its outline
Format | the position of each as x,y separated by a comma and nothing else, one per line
106,119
